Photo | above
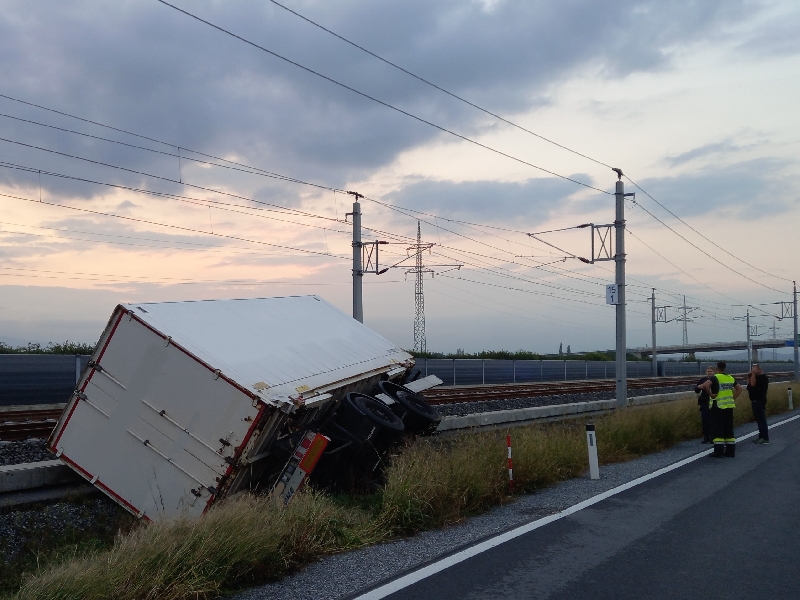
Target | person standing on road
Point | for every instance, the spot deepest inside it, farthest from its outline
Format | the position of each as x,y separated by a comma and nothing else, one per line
704,400
723,391
757,384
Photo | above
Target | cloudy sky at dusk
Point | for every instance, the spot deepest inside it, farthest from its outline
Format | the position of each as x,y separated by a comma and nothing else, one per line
695,101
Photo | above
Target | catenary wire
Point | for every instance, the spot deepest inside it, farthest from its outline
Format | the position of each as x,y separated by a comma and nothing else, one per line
186,246
381,102
704,235
234,166
178,227
441,89
706,253
224,206
244,166
162,178
254,170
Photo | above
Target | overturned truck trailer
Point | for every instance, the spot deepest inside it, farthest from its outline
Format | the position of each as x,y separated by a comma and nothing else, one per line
186,403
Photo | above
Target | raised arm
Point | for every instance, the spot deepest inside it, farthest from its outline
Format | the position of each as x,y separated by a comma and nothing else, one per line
706,386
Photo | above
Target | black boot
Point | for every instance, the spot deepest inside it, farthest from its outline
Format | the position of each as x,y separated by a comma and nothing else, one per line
730,450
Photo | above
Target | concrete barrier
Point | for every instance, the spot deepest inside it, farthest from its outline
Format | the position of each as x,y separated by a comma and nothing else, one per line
656,398
28,476
519,415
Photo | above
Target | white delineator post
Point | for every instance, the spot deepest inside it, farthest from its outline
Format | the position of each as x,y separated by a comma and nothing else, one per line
791,402
591,441
510,465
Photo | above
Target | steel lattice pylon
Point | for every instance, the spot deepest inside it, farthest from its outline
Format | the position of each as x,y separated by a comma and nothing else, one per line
419,297
419,270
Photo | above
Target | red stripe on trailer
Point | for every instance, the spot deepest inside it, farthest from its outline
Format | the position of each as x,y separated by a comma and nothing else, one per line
222,376
103,487
237,455
86,383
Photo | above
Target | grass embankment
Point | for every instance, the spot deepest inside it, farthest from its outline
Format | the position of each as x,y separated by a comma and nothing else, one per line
431,483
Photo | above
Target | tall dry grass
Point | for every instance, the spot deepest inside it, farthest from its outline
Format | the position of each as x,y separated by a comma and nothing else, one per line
246,539
429,484
434,483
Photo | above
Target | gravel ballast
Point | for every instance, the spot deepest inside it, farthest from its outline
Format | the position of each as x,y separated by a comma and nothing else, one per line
345,575
26,451
23,528
468,408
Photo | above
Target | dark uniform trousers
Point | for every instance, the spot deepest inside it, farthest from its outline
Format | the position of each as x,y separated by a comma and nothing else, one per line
722,431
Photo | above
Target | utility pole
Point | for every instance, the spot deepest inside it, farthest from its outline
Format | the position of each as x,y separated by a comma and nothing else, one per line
655,352
796,339
749,343
619,259
685,329
774,339
358,273
615,293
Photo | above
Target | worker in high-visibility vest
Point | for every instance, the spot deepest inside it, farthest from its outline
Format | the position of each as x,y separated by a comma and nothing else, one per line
723,391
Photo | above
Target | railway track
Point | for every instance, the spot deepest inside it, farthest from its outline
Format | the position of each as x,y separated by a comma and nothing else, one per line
29,422
484,393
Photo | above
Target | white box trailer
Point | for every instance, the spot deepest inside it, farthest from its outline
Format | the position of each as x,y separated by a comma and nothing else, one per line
183,402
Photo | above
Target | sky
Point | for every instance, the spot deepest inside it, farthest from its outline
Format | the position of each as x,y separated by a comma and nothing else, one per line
148,156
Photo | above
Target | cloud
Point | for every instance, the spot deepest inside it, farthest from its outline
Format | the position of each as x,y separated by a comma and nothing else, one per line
776,35
147,69
717,148
491,201
752,188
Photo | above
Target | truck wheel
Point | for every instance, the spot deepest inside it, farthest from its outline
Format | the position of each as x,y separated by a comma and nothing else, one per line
418,416
369,419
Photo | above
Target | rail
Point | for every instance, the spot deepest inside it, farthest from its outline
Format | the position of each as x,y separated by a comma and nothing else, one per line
24,422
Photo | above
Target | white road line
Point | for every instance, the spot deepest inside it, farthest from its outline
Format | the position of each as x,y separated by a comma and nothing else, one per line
440,565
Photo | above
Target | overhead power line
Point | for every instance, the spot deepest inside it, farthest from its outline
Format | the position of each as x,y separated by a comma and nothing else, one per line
693,245
245,167
257,171
641,241
111,238
178,227
204,202
441,89
171,280
511,123
381,102
181,156
703,235
284,209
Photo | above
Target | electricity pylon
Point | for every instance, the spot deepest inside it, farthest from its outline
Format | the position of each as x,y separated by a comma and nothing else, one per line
419,294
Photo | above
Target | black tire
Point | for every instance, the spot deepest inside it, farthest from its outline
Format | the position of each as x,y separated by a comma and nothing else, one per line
370,420
418,416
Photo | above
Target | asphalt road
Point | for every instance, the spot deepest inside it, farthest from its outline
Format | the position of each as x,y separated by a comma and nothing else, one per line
715,528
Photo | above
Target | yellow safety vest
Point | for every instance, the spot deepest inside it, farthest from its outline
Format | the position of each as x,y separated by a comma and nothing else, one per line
724,398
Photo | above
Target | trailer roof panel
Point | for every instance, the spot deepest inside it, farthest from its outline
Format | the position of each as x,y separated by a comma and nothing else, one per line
272,341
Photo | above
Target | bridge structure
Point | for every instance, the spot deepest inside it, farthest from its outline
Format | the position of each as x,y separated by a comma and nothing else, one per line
713,347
